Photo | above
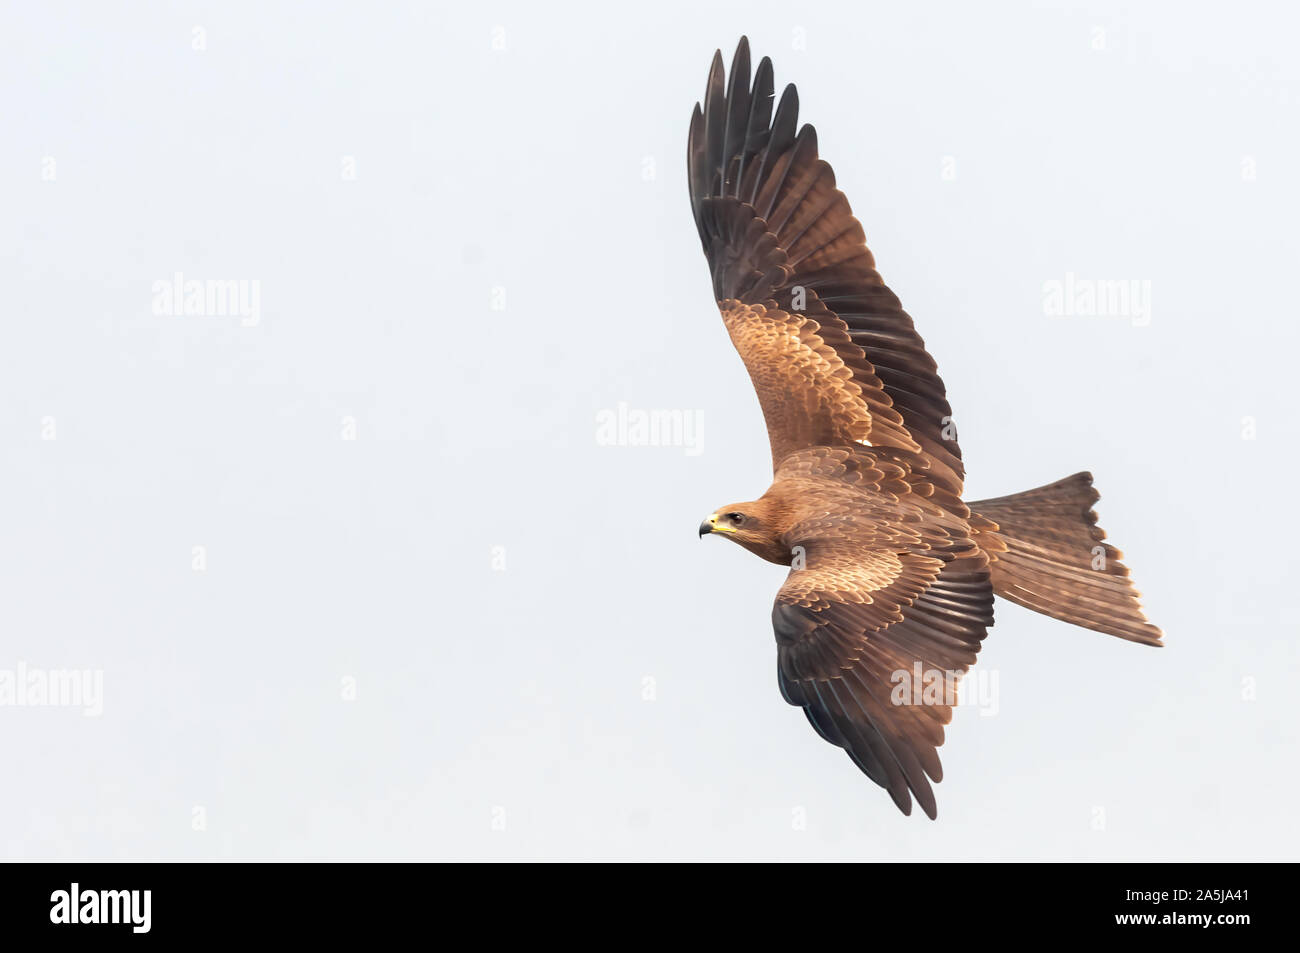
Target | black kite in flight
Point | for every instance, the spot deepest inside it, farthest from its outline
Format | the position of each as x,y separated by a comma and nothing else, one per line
891,570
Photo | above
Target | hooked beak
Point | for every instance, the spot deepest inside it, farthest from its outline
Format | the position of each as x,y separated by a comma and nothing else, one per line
711,525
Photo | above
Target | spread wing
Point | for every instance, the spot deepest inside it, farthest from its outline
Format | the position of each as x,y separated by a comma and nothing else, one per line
834,358
879,620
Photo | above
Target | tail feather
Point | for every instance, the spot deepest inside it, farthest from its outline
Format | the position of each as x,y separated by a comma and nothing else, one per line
1047,553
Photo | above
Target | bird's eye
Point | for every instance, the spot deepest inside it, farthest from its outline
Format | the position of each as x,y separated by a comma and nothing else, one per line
736,518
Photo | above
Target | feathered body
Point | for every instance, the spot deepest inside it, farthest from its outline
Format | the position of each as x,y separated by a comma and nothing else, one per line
890,569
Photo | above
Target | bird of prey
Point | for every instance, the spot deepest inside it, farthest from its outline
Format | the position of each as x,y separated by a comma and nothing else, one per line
892,572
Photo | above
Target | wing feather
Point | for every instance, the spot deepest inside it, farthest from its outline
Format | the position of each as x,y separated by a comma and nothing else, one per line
775,230
844,672
892,586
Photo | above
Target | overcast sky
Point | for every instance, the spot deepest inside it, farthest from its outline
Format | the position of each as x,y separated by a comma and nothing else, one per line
355,566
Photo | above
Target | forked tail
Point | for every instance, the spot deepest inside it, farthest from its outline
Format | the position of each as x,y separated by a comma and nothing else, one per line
1047,553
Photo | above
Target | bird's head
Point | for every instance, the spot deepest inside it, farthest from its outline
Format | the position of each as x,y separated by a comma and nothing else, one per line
750,525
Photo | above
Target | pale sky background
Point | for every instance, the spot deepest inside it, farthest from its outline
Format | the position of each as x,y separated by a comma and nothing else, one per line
471,252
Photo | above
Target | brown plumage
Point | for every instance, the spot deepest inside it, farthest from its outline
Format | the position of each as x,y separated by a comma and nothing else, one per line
889,567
